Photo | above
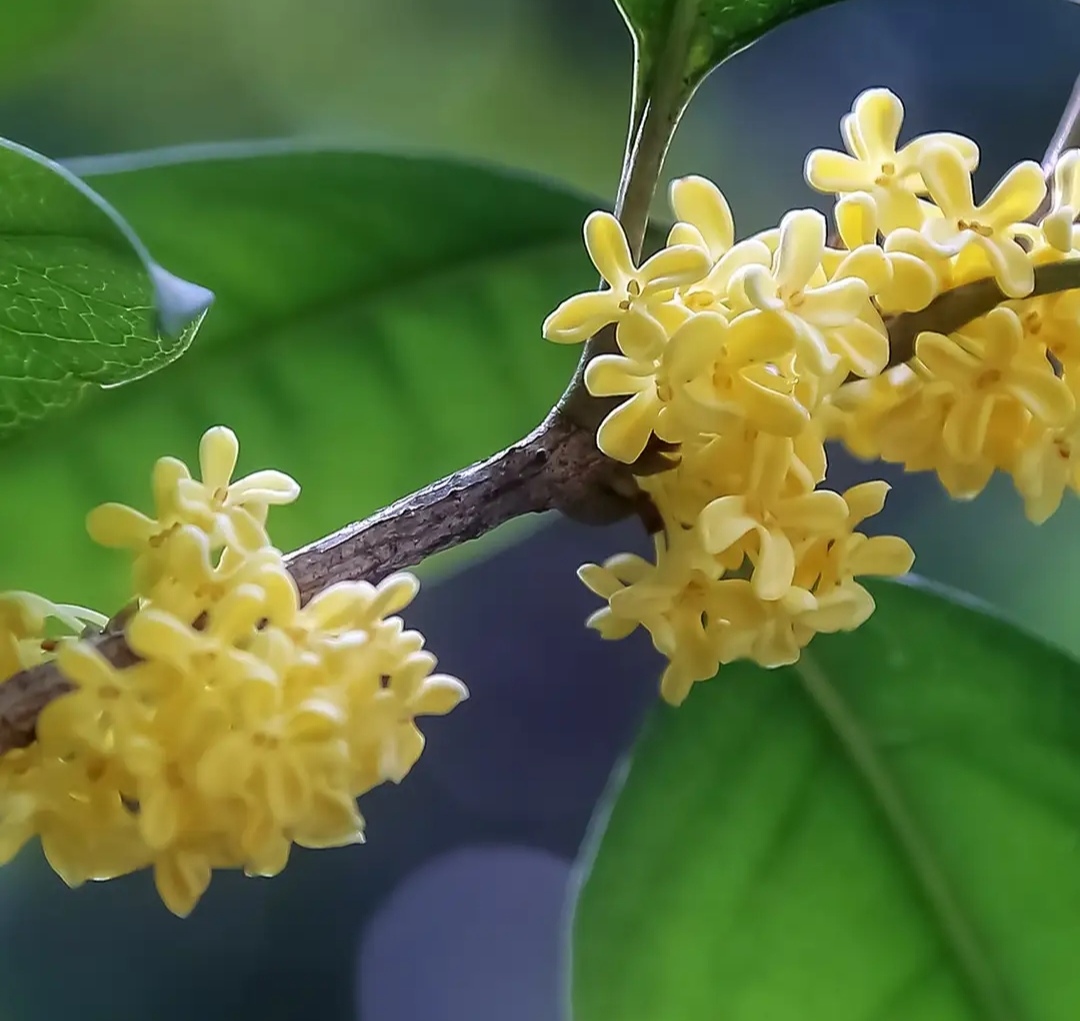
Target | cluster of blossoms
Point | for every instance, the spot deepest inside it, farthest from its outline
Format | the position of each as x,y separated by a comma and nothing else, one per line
750,355
247,723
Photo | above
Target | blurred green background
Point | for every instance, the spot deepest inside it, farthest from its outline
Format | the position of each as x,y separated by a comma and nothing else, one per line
376,395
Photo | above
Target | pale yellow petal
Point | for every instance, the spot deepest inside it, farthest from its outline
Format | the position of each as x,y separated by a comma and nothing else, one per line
615,376
1016,196
966,426
218,452
948,180
695,345
267,486
640,336
829,171
775,567
696,200
866,500
883,556
673,267
608,248
438,694
724,521
1046,396
802,245
579,317
626,430
1013,269
118,526
856,219
878,115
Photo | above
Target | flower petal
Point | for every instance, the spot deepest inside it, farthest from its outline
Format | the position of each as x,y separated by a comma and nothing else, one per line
1015,197
579,317
615,376
609,250
640,336
626,430
829,171
696,200
878,115
673,267
775,567
948,180
802,245
724,521
218,451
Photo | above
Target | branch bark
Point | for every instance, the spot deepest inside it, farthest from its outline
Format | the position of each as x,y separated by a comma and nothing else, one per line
556,467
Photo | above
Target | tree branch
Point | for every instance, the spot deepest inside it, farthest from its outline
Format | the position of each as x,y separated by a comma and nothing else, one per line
556,467
952,310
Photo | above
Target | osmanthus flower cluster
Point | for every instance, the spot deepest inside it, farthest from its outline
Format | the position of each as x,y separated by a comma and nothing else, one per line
247,722
749,355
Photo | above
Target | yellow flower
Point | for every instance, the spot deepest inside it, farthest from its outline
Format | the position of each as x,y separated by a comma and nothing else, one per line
703,215
726,372
1048,464
796,289
910,283
990,227
246,723
104,701
629,287
232,513
120,527
984,366
1058,224
891,176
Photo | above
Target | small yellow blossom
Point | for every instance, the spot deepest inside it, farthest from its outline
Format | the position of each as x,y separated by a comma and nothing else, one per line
873,164
247,722
984,366
703,215
990,226
796,289
1058,226
629,287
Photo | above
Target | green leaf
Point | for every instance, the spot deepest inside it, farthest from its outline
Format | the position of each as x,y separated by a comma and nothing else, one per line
889,831
376,326
719,29
81,302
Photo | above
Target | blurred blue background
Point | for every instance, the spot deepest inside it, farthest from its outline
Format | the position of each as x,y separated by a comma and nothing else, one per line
453,910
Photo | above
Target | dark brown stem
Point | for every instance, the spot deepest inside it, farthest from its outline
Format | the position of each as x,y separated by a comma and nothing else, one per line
556,467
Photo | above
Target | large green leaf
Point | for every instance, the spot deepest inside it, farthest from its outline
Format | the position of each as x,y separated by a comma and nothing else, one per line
719,29
81,301
890,831
376,325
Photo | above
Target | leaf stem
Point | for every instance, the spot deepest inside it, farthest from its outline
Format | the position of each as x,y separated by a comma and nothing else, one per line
1067,133
983,982
653,120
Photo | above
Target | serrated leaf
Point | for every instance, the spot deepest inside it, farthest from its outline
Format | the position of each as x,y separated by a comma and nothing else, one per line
376,325
81,302
888,831
720,29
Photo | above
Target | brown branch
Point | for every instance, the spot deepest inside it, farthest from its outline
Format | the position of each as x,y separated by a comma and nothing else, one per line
556,467
952,310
